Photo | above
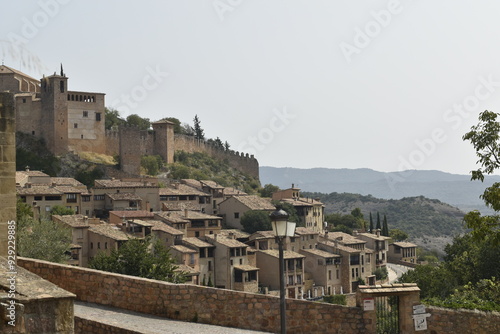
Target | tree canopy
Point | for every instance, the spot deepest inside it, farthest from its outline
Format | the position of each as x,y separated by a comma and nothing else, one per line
255,220
485,137
146,258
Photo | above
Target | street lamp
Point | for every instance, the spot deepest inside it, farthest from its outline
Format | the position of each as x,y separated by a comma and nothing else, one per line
282,228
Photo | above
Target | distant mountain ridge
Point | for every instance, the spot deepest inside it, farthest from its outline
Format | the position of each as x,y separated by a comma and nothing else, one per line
453,189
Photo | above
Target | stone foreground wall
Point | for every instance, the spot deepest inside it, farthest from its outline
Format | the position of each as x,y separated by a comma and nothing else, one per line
444,320
85,326
196,303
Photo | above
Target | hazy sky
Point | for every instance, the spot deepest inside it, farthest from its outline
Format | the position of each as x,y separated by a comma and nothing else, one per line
387,85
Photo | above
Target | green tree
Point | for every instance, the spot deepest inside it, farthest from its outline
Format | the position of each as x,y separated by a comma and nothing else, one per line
61,210
177,124
485,137
254,220
43,240
378,227
385,228
138,121
398,235
371,223
112,119
146,258
198,131
152,164
268,190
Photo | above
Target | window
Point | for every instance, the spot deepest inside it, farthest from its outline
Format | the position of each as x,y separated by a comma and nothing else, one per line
299,279
241,261
352,272
24,100
98,245
86,198
337,274
85,114
75,125
231,262
105,245
99,197
329,274
70,198
209,265
61,86
236,215
98,116
290,279
37,198
91,245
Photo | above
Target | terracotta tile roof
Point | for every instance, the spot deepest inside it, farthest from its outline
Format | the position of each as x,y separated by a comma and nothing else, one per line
195,242
6,69
161,226
345,238
286,254
374,236
253,202
340,247
193,183
228,242
193,215
183,249
319,252
246,267
124,197
182,189
302,201
305,231
230,191
239,234
123,184
180,205
168,216
39,189
111,231
66,181
133,214
187,269
72,220
211,184
140,222
70,189
262,235
403,244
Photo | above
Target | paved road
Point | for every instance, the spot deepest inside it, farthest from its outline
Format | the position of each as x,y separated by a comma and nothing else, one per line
148,324
395,271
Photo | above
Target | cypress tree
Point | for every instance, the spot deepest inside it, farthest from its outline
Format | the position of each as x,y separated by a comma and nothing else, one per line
378,222
385,228
371,223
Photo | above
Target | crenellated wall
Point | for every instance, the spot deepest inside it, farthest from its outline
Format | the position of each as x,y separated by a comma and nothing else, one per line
131,143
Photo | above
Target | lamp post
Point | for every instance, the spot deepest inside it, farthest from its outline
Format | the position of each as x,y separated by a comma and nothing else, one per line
282,229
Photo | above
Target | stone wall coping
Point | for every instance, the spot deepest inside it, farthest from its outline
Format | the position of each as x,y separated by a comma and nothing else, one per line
389,288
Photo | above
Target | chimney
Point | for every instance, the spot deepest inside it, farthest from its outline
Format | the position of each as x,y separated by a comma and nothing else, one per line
27,168
378,232
185,213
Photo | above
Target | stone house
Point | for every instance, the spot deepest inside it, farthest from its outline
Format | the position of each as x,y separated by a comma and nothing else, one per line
310,211
402,251
178,196
79,225
125,195
378,243
323,269
188,258
167,235
356,260
105,238
232,266
43,192
118,217
206,258
307,238
194,223
268,263
233,208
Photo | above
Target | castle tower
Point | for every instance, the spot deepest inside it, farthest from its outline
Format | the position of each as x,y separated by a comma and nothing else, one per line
54,121
164,140
130,150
